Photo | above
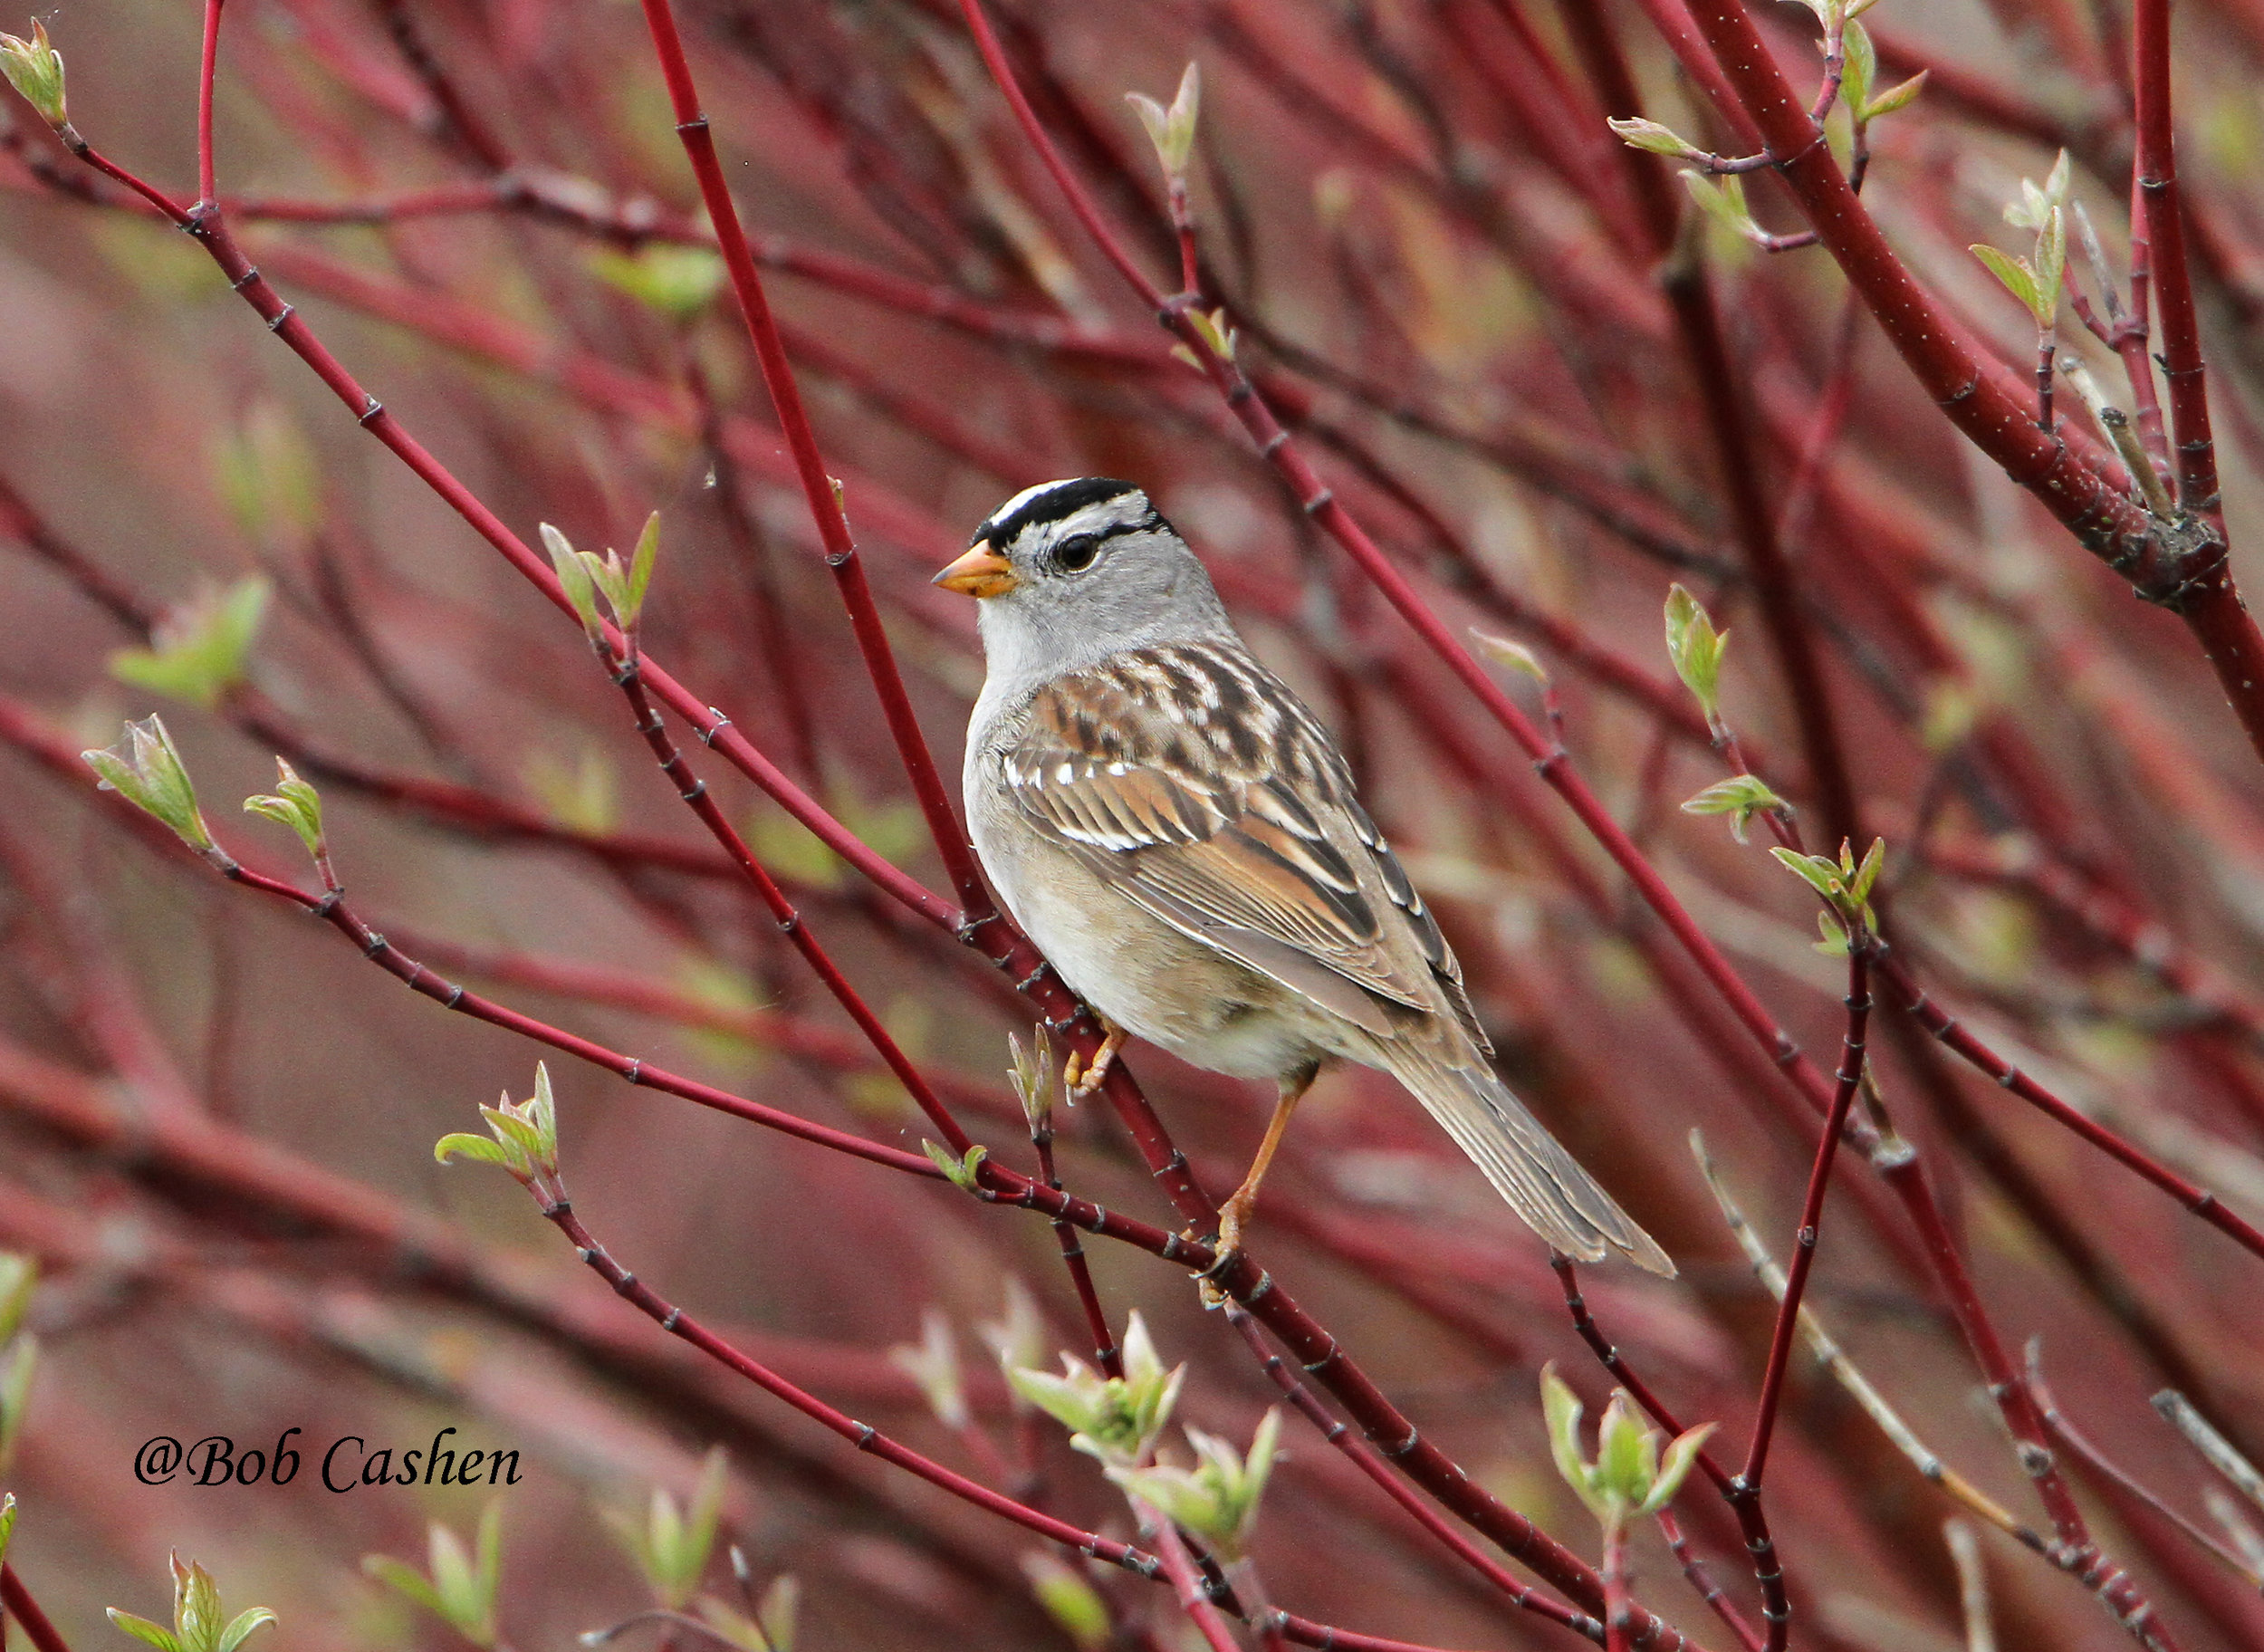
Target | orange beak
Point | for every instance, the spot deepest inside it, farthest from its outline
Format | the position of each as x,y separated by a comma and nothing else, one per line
981,572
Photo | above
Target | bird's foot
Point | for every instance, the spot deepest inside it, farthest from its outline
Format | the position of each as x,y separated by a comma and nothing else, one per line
1084,1079
1233,1218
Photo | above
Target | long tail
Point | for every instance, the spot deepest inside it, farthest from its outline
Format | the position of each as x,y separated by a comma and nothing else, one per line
1527,1166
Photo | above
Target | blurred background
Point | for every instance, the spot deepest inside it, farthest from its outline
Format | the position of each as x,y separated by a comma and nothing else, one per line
216,1120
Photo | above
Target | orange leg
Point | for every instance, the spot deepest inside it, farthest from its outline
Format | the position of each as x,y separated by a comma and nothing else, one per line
1084,1082
1235,1214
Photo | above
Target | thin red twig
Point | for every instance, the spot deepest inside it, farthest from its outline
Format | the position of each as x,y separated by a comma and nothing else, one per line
2155,180
818,487
37,1629
1850,1076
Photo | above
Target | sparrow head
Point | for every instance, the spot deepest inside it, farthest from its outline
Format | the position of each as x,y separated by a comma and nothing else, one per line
1071,572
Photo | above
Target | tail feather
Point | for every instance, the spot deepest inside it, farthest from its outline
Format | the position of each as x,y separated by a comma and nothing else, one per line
1544,1183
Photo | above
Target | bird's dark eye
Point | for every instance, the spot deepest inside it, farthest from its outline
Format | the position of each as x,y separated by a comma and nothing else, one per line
1076,553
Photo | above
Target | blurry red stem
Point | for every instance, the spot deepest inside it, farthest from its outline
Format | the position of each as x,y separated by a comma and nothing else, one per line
1946,1028
42,1633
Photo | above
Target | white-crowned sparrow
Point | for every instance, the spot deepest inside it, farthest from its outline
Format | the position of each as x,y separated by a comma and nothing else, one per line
1179,835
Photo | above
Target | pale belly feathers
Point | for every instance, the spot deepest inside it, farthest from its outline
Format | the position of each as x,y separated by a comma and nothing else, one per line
1148,977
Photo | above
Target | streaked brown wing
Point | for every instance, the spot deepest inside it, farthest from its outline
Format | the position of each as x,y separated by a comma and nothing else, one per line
1195,782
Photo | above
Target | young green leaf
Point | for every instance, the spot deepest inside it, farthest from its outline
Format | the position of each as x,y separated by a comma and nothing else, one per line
142,1629
17,1367
1514,655
1741,797
1896,97
961,1173
574,576
462,1587
2019,278
199,649
1649,135
1859,70
1017,1338
1723,200
197,1616
670,1545
679,282
1674,1467
1172,130
1816,870
293,803
933,1362
1069,1599
18,1275
147,771
1217,1499
35,69
1835,942
1113,1419
522,1135
1696,649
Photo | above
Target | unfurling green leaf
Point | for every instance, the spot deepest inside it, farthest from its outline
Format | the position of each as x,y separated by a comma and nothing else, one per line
585,576
1867,873
1696,649
1859,70
1741,797
1674,1467
770,1629
1220,337
1896,97
670,1544
1514,655
2035,205
2019,278
1172,130
1723,200
141,1628
1017,1338
147,771
1649,135
1845,885
197,1625
294,803
463,1584
1035,1077
1817,870
1218,1498
1113,1419
461,1144
2051,265
1630,1476
34,68
7,1521
574,575
679,282
18,1275
270,478
17,1367
1069,1599
960,1172
933,1362
198,651
522,1135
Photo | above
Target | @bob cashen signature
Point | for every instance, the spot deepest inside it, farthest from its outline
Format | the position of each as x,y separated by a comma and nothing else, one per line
349,1462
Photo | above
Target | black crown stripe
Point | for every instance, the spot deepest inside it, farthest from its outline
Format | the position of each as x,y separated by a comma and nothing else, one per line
1062,500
